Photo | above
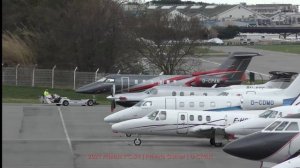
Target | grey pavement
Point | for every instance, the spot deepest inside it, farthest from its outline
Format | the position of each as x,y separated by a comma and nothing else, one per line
38,136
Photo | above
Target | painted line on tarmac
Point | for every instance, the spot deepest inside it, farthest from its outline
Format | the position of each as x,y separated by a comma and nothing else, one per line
65,129
204,60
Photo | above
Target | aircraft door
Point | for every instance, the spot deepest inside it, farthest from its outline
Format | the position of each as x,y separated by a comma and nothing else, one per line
182,123
170,103
124,84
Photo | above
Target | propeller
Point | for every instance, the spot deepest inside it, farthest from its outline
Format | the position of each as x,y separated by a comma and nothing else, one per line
113,102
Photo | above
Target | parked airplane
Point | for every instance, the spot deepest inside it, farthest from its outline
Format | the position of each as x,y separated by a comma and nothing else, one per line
253,125
260,101
200,124
174,102
228,73
278,142
278,80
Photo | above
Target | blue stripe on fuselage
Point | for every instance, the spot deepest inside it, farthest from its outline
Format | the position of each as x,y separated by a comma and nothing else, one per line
226,108
290,101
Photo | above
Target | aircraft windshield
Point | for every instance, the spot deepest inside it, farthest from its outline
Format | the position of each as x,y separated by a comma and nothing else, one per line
224,94
272,126
152,91
110,80
152,115
102,79
268,114
139,104
147,91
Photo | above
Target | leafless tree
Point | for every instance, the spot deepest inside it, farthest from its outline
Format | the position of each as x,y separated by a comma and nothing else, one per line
166,41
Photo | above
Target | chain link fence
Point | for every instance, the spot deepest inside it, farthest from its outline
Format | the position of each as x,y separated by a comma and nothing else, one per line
52,78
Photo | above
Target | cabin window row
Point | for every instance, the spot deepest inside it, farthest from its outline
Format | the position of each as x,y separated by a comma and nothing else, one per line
174,93
201,104
192,117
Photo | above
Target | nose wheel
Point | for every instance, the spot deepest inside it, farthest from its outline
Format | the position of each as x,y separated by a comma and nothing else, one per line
213,142
128,135
137,141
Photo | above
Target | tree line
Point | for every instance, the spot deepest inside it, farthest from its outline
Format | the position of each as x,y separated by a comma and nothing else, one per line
95,34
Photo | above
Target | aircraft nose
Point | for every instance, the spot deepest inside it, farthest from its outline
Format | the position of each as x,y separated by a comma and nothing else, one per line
89,88
111,119
233,129
92,88
118,127
243,148
257,146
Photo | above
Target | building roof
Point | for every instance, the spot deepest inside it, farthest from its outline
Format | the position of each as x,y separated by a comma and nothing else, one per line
193,10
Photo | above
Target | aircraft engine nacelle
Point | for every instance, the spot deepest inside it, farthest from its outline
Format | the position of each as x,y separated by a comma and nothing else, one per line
260,102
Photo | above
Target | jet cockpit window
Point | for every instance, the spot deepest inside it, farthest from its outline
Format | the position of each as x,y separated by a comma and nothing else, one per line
102,79
153,115
139,104
272,126
273,114
110,80
148,103
293,127
162,115
224,94
282,126
147,91
153,91
267,114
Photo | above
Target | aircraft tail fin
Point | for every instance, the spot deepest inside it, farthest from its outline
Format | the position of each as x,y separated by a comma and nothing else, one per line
236,65
294,89
280,79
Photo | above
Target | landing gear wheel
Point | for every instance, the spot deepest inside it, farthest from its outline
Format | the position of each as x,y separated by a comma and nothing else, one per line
219,144
137,142
128,135
90,102
212,141
65,103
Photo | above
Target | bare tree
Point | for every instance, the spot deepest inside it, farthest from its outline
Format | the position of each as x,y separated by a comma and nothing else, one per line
165,41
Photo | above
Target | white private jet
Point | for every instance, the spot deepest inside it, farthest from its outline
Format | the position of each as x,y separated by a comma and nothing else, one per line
279,80
200,124
261,101
278,142
257,124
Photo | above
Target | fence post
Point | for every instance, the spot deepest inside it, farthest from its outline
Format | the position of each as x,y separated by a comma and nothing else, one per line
33,73
3,77
96,74
17,74
74,87
52,83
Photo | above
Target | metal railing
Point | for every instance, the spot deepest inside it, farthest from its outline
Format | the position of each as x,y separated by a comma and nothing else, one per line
54,78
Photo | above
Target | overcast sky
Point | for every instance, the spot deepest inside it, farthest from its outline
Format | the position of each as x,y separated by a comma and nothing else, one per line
295,2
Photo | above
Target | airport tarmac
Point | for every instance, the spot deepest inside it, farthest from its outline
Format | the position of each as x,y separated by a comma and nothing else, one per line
47,136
